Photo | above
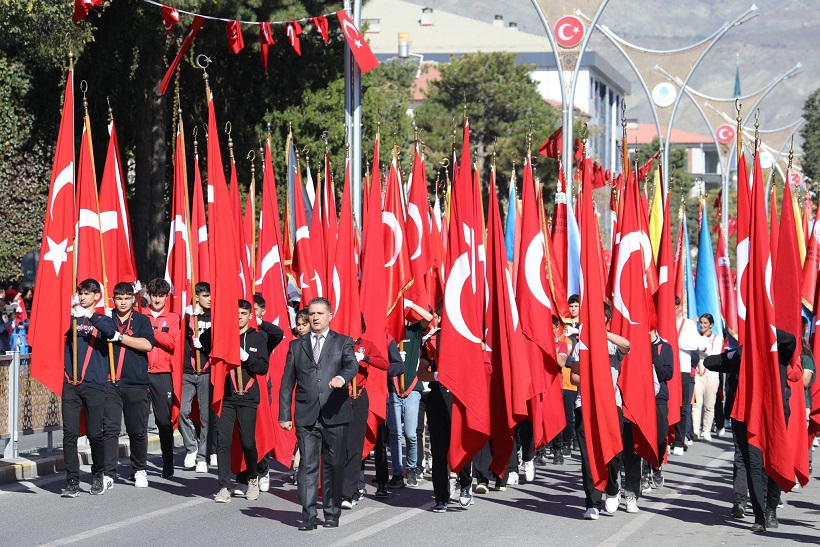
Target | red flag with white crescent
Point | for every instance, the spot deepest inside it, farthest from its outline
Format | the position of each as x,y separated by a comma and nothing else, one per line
726,284
357,44
50,314
200,257
307,277
225,260
398,273
320,22
186,45
810,267
418,233
82,7
293,29
744,201
170,17
343,290
245,278
330,221
235,40
265,41
115,220
88,247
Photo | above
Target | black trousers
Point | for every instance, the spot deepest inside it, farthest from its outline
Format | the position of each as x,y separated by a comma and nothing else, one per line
76,400
764,493
356,431
592,496
631,461
686,394
662,414
420,429
439,420
720,415
262,469
380,455
130,403
481,464
525,440
161,393
245,418
328,443
568,434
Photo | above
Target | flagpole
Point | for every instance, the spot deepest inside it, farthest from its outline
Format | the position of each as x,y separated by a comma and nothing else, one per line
252,203
74,261
87,124
192,276
198,353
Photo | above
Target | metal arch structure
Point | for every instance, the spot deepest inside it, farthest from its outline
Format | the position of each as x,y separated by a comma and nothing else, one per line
568,61
646,64
716,117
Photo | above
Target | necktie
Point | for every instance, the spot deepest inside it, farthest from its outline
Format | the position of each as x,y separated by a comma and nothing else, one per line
317,347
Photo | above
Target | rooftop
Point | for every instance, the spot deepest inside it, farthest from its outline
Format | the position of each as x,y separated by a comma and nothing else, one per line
644,133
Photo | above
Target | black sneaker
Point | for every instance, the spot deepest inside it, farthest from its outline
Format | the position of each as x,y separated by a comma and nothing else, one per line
98,485
558,458
541,459
381,491
411,477
465,497
441,507
167,470
657,478
395,483
567,450
72,490
738,510
771,519
357,495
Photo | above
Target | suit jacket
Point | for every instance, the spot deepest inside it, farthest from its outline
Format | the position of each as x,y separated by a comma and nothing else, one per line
314,399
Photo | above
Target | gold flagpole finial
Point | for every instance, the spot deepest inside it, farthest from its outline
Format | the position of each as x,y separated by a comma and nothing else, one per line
757,129
228,129
196,143
84,90
110,112
203,62
70,60
791,153
584,136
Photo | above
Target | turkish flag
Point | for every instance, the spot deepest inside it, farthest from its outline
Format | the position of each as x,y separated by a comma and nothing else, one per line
631,319
225,262
665,305
306,275
321,25
293,29
536,308
744,206
344,288
249,229
726,284
265,41
461,367
200,258
810,267
774,231
196,24
90,260
178,268
759,399
560,241
114,218
418,232
170,17
357,44
553,145
397,269
270,282
50,310
510,376
373,300
245,278
330,221
599,410
235,40
317,233
82,7
788,318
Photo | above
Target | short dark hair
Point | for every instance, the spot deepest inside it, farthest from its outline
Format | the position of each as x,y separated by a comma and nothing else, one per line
677,301
574,299
708,317
123,288
302,314
607,312
554,321
245,305
258,299
89,285
202,286
439,306
158,287
323,301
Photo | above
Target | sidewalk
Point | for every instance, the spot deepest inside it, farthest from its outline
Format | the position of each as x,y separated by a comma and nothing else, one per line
36,464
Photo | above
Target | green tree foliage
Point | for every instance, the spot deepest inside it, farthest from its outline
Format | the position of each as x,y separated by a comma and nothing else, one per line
503,105
811,137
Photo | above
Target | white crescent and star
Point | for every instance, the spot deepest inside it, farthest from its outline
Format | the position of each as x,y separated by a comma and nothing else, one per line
65,177
270,260
534,265
390,220
413,213
742,263
356,39
630,243
561,31
56,254
452,297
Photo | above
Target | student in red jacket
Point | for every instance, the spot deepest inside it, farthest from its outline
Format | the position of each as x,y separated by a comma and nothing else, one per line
166,325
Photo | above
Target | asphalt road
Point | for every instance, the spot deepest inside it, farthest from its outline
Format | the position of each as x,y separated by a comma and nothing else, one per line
693,506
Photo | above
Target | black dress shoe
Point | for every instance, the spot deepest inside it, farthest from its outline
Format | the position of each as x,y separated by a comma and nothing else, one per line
758,528
738,511
307,525
331,524
771,518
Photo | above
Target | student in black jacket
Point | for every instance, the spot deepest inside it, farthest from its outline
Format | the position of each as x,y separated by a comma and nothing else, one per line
240,402
663,364
126,395
86,391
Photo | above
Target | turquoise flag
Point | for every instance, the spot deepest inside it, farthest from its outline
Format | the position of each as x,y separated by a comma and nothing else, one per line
706,284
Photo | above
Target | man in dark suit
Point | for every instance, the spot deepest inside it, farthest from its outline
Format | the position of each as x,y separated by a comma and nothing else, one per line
320,365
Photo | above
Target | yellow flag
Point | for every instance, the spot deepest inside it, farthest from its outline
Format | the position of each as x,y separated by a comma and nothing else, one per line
656,216
798,228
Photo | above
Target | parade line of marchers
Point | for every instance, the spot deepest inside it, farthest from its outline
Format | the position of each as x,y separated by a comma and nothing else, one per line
304,339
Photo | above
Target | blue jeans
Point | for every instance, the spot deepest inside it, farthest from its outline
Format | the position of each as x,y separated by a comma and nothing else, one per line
406,410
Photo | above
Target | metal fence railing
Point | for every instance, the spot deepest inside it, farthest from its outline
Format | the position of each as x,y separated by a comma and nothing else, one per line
26,406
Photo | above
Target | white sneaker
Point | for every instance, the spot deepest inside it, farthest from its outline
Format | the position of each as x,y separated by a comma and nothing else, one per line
513,478
213,461
611,503
529,471
201,466
631,504
688,442
707,436
223,496
264,483
816,442
677,451
721,432
190,460
141,479
591,514
698,435
238,492
454,490
108,482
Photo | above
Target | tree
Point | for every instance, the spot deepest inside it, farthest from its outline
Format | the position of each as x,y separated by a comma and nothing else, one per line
811,137
503,105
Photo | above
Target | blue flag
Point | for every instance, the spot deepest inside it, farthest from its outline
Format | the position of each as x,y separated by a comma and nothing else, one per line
573,253
688,280
706,286
509,229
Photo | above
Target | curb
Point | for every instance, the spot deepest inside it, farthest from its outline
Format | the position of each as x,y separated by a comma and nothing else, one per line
24,469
